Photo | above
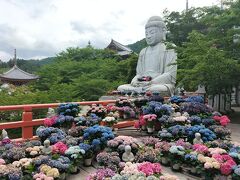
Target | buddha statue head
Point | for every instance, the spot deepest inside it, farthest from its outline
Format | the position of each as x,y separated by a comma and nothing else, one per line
197,139
51,112
46,149
4,134
128,155
155,30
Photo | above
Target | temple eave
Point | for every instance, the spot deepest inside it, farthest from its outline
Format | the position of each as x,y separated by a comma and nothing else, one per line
14,80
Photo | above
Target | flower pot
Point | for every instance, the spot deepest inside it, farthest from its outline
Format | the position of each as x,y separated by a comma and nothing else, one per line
88,162
150,130
74,170
193,170
164,161
62,176
144,128
222,177
125,116
176,167
120,114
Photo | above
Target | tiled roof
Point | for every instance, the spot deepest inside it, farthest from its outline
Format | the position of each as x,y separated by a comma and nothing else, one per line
118,46
16,73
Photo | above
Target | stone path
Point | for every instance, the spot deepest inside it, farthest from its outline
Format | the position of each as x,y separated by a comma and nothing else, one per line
85,171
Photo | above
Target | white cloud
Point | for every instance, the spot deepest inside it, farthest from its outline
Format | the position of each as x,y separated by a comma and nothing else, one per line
40,28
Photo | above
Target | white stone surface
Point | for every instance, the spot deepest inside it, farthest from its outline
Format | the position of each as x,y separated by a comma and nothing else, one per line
155,61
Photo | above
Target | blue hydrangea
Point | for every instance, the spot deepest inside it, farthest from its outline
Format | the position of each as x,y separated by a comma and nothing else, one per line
15,176
8,146
96,142
70,109
207,134
237,170
86,135
179,150
98,135
194,108
176,99
208,122
163,118
198,99
84,146
190,157
177,130
53,134
195,119
62,163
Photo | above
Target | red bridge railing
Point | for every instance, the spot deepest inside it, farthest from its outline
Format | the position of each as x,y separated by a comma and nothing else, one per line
27,123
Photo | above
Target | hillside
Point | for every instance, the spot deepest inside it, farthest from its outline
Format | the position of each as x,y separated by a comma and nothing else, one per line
138,46
75,74
30,66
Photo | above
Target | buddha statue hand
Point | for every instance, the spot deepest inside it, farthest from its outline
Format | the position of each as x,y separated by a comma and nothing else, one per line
136,83
141,84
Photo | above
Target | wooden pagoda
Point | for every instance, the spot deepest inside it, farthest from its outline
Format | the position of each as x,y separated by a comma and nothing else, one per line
16,76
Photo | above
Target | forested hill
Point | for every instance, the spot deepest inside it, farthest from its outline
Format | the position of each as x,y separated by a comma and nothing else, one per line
138,46
30,66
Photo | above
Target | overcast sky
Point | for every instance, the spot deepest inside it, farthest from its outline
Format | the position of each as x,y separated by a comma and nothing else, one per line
42,28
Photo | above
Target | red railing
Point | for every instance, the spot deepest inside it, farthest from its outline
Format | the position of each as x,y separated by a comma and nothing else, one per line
27,123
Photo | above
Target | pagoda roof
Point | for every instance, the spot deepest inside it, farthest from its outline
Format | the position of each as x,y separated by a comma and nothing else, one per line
121,49
17,74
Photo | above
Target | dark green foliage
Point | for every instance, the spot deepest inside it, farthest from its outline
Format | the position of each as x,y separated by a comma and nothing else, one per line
30,66
138,46
71,77
202,63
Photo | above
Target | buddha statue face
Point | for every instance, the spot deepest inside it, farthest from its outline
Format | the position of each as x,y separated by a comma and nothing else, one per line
198,136
153,35
155,31
128,149
46,143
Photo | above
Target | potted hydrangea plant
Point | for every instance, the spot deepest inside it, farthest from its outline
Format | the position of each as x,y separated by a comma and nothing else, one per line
88,156
176,156
110,120
150,119
75,153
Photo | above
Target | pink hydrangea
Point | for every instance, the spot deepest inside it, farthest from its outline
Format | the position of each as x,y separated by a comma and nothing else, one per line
137,124
6,141
223,120
142,121
200,148
150,117
163,146
41,176
50,121
149,168
59,147
226,167
2,161
226,163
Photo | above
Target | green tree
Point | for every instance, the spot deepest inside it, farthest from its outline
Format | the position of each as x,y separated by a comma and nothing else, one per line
200,62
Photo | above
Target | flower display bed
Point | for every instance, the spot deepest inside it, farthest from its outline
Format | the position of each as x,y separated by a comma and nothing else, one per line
69,140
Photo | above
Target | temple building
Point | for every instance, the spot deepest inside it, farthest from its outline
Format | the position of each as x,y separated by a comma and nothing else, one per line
120,49
16,76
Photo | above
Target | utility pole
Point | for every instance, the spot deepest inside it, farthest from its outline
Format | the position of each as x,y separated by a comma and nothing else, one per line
15,57
221,4
186,5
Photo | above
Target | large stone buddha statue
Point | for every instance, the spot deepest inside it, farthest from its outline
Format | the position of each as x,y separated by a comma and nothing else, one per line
156,71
